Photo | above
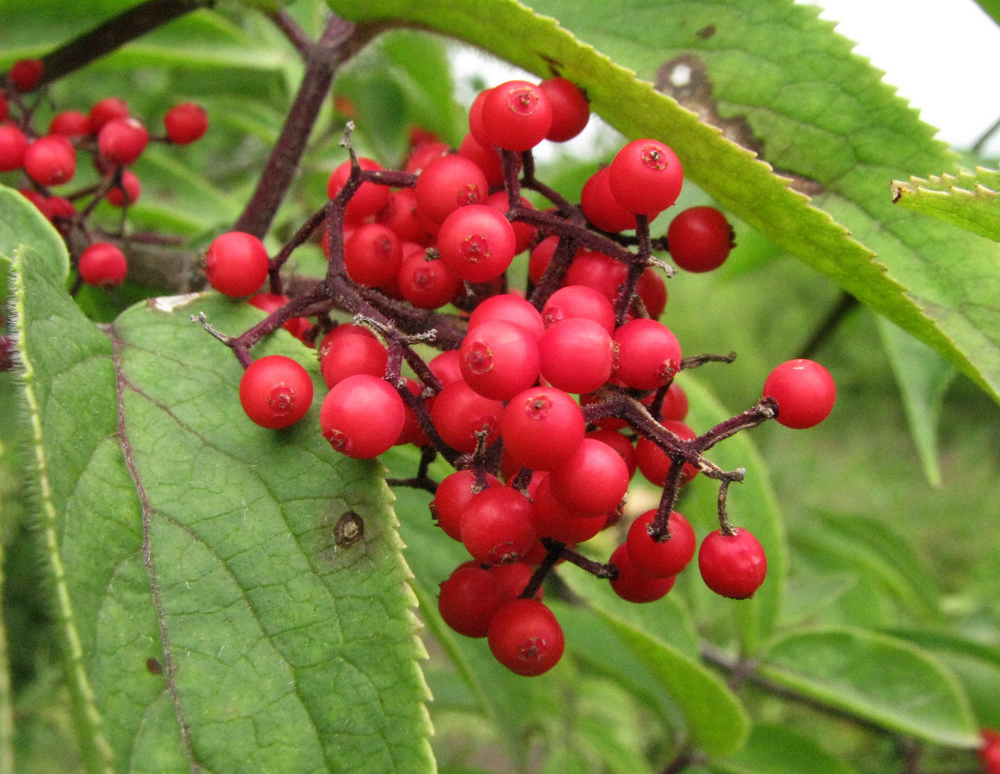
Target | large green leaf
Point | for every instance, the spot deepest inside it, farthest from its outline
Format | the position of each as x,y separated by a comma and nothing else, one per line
886,681
207,614
822,114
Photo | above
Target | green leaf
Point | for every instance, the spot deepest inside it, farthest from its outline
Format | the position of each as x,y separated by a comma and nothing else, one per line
206,612
822,114
780,750
968,200
881,679
716,720
975,664
992,8
923,377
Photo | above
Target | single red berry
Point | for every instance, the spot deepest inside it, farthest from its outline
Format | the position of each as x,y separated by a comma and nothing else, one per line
598,271
516,115
50,160
509,307
525,636
103,265
362,416
634,586
72,123
275,391
805,392
13,144
106,110
369,197
620,443
185,123
645,177
577,355
649,354
236,264
570,108
600,205
349,353
25,74
499,359
541,428
459,413
476,242
661,558
448,183
652,291
469,598
579,301
699,239
122,140
732,565
497,526
427,284
372,255
593,481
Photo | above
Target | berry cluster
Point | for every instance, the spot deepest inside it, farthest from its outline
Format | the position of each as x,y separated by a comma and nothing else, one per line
47,159
547,403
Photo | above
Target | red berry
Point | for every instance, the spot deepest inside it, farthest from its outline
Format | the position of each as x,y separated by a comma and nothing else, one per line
13,144
459,412
555,520
128,192
427,284
699,239
507,306
593,481
661,558
525,636
649,354
72,123
516,115
601,207
372,255
805,392
577,355
272,302
732,565
570,108
499,359
448,183
452,497
236,264
103,265
185,123
989,751
541,428
122,140
349,353
469,598
579,301
634,586
106,110
368,199
645,177
50,160
476,242
497,526
25,74
362,416
275,391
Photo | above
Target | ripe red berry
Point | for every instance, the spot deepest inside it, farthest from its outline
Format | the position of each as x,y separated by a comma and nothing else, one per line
497,526
577,355
459,413
50,160
635,586
427,284
507,306
453,494
103,265
516,115
122,140
699,239
645,177
185,123
579,301
351,353
25,74
128,192
469,598
805,392
106,110
448,183
236,264
649,354
525,636
13,144
600,205
476,242
362,416
570,108
593,481
499,359
661,558
368,199
72,123
541,428
372,255
732,565
275,391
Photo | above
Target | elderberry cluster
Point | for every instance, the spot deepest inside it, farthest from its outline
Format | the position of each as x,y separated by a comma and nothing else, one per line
547,403
47,160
